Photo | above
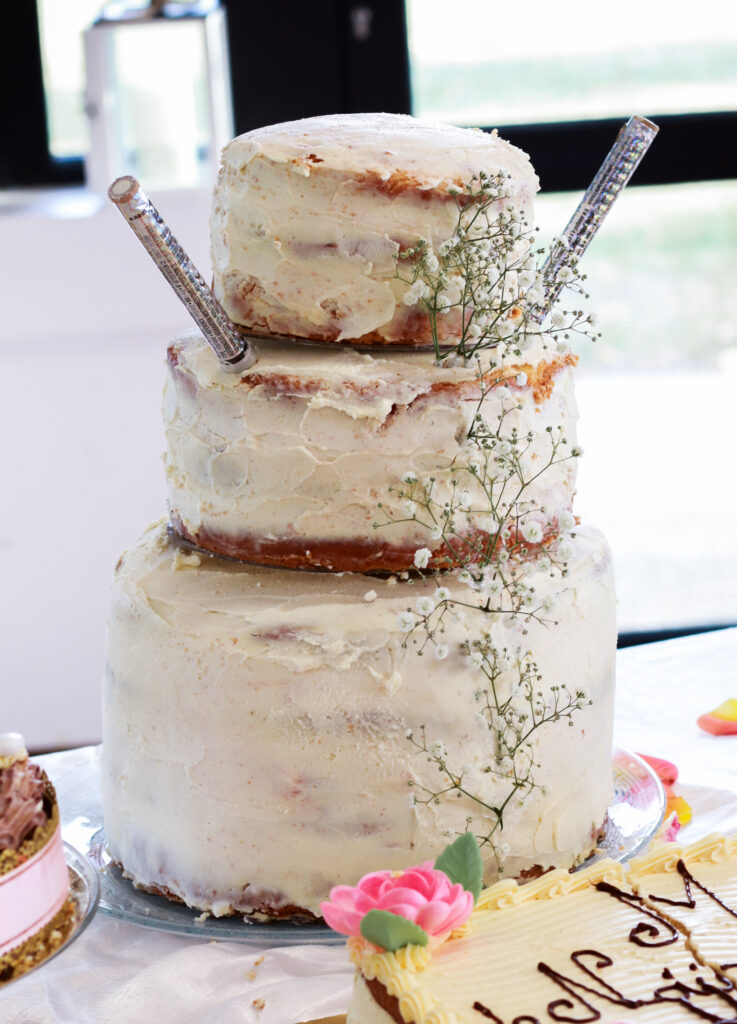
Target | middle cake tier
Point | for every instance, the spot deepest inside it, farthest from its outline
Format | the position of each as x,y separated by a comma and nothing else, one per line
337,459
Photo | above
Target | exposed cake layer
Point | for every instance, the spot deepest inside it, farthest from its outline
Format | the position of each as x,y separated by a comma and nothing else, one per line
256,720
288,462
308,218
580,947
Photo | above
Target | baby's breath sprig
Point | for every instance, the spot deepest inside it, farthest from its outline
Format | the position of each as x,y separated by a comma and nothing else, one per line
484,289
484,285
495,537
511,719
482,511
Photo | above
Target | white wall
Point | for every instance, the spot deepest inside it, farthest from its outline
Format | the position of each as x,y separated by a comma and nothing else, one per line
85,322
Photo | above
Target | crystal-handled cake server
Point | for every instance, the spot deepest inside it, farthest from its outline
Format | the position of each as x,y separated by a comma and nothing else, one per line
230,346
629,148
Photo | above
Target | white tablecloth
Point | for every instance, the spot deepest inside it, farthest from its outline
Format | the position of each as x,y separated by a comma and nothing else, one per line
117,973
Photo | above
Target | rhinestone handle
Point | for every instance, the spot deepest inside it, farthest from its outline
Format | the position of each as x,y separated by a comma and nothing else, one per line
231,348
620,164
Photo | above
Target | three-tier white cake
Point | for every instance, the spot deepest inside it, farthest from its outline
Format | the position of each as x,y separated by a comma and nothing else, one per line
270,731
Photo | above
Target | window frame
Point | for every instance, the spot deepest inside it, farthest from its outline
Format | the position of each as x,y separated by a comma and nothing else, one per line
566,154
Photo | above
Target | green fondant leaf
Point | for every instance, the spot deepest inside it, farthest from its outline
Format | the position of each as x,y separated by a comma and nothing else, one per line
391,931
461,862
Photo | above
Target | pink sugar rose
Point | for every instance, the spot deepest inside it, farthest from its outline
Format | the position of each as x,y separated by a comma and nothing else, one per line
423,895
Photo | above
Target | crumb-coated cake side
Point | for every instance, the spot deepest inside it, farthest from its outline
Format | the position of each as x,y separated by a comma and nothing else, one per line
301,460
256,726
308,218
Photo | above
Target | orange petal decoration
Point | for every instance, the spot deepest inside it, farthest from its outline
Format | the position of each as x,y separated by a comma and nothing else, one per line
678,806
722,721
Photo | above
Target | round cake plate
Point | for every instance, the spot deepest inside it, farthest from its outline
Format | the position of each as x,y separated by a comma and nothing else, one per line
84,889
633,817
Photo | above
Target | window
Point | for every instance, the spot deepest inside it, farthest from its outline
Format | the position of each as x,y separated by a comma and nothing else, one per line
655,393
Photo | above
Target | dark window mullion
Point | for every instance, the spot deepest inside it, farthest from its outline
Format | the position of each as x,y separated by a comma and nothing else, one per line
24,156
689,147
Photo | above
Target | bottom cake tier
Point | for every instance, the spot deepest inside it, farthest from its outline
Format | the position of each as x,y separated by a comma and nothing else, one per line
270,733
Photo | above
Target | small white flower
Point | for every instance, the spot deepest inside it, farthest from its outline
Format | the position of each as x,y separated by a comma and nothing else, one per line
565,274
422,557
491,586
502,393
409,477
438,750
566,520
441,651
437,532
592,320
410,507
425,606
557,319
464,500
407,622
416,293
521,380
565,551
504,328
577,452
442,594
431,262
465,577
532,531
476,659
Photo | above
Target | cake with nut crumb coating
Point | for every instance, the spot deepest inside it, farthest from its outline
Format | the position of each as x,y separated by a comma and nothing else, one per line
36,912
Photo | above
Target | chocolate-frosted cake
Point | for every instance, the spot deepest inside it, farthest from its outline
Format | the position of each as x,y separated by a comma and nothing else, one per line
36,912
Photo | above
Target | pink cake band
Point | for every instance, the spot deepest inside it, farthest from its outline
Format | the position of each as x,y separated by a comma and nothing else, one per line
32,894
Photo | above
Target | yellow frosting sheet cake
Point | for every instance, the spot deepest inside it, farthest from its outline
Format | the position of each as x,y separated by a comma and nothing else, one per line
655,943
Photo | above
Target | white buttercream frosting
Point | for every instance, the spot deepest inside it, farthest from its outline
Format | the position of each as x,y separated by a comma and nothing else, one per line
308,218
255,726
305,445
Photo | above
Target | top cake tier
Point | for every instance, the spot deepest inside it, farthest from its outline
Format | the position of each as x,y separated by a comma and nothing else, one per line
309,216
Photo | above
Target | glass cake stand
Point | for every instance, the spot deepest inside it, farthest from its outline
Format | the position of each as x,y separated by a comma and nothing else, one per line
633,817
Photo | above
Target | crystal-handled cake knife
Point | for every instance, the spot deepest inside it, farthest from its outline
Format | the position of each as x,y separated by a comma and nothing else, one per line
629,148
232,349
